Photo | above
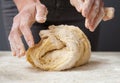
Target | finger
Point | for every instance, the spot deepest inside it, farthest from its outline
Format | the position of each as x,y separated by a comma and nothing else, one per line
94,11
98,18
86,23
12,34
78,5
12,45
109,13
87,7
19,45
25,29
41,13
25,25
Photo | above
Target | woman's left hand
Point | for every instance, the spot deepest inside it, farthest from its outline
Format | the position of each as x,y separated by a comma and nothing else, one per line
92,10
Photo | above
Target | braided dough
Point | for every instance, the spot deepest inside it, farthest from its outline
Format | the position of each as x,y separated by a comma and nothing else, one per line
61,47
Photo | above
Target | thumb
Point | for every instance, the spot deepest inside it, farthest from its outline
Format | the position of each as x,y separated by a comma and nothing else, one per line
78,4
109,13
41,12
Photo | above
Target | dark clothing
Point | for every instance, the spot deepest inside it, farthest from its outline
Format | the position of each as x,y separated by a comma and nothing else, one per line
60,12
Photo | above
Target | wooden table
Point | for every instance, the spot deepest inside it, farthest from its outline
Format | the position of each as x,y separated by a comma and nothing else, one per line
103,67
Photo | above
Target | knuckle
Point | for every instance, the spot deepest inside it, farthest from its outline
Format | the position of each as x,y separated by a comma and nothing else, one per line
96,10
18,47
15,18
28,39
26,14
21,27
102,11
43,6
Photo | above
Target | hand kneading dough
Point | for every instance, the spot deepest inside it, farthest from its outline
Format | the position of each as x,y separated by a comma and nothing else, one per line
61,47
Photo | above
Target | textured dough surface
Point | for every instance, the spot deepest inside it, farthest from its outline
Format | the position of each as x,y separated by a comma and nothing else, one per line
61,47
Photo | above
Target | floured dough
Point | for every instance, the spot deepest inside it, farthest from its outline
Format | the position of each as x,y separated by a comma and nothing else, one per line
61,47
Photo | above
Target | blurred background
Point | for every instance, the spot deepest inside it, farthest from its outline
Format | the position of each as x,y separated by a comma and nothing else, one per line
110,30
109,39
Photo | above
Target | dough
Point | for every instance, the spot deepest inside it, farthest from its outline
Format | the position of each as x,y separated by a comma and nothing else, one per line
61,47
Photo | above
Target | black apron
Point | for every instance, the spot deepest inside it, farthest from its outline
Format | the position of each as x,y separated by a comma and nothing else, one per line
59,12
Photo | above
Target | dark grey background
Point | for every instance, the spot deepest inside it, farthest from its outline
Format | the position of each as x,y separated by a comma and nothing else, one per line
110,30
109,35
2,33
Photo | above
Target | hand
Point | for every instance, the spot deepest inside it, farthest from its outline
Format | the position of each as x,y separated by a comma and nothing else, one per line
92,10
22,23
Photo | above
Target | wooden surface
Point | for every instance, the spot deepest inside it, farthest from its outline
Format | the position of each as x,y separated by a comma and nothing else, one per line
103,67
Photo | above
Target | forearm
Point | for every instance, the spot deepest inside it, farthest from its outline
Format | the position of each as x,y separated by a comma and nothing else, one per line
22,3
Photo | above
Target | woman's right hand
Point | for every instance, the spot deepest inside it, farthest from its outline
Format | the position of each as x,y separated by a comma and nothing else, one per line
92,10
22,23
